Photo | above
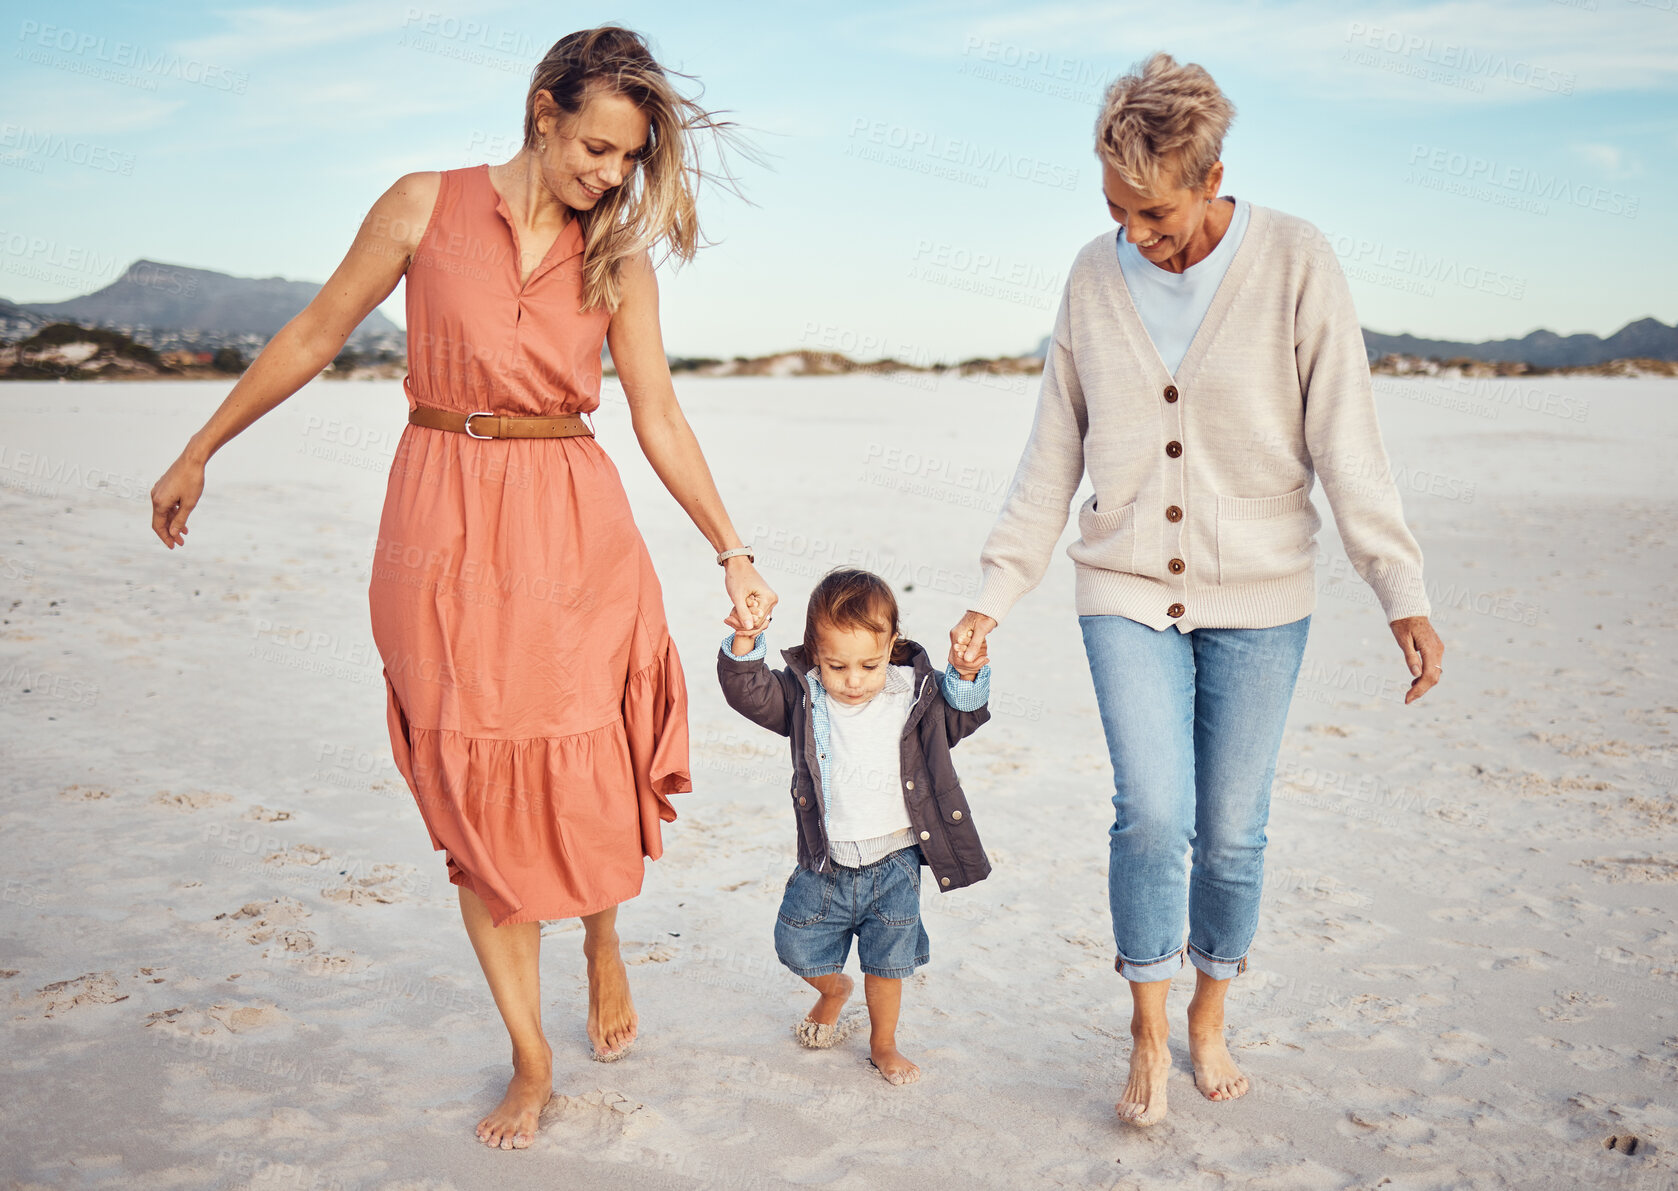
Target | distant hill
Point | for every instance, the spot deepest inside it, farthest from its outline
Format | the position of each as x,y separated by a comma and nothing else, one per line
151,296
1646,339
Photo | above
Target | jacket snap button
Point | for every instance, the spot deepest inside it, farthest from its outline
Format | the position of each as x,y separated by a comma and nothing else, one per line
803,801
909,785
943,880
955,814
926,835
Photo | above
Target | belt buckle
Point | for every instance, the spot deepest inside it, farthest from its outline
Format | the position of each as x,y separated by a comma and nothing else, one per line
478,413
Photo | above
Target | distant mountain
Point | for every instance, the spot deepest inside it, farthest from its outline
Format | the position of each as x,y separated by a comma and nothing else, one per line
156,297
1646,339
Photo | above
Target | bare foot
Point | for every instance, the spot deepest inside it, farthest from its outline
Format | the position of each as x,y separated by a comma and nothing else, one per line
820,1027
611,1013
1215,1073
1143,1100
891,1064
511,1125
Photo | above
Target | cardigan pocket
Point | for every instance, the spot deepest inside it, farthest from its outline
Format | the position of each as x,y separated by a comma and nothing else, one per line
1265,537
1108,536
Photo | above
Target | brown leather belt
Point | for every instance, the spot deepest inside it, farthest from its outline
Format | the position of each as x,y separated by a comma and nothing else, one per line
484,424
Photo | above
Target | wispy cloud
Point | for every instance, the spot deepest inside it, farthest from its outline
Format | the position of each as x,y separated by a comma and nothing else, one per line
1393,52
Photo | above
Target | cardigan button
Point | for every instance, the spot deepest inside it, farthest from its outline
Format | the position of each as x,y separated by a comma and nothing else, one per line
1174,610
1174,449
926,835
1173,513
1171,392
1177,566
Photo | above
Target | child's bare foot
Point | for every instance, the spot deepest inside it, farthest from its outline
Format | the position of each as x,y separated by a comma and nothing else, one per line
511,1125
611,1014
820,1027
1143,1100
891,1064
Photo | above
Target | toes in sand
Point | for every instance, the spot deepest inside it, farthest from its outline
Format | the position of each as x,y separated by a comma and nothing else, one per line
1215,1072
821,1027
892,1066
611,1013
1143,1100
511,1125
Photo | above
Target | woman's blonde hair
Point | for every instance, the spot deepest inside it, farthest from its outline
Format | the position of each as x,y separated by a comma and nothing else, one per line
1163,121
655,202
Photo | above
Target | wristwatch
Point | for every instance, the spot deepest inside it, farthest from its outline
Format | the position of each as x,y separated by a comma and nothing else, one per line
728,554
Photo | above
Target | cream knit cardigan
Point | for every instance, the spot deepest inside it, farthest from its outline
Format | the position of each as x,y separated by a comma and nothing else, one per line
1201,514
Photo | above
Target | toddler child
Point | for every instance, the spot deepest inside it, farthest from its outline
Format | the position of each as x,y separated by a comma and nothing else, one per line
874,794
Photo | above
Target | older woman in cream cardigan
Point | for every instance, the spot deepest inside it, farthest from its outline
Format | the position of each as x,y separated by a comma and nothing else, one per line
1206,367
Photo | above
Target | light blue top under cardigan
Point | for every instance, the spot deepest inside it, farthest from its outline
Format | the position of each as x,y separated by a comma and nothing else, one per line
1172,305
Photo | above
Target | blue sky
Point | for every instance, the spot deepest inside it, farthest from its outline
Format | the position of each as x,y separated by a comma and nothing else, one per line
1483,167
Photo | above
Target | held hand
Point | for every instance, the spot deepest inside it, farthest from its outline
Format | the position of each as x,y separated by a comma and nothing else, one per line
1424,653
967,642
174,497
754,600
968,670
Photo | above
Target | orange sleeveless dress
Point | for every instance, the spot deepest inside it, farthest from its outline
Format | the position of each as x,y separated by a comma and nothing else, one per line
535,699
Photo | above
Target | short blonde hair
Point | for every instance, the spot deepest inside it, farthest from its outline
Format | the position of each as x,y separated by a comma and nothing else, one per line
1162,121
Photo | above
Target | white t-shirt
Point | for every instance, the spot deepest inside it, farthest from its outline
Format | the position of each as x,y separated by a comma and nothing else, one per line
865,786
1173,305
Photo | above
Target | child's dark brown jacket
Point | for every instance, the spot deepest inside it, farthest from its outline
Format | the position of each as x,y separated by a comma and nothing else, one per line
781,700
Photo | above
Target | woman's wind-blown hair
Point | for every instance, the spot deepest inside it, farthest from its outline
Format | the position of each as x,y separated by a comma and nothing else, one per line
656,202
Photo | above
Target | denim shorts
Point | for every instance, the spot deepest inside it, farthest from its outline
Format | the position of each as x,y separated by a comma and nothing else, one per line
879,903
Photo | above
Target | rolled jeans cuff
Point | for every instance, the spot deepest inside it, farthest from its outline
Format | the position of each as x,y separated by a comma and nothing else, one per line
1217,969
1146,970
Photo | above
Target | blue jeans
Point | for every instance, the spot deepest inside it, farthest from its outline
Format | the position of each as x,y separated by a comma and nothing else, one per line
879,903
1193,722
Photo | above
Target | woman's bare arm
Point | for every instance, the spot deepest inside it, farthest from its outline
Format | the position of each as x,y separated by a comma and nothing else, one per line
668,441
375,262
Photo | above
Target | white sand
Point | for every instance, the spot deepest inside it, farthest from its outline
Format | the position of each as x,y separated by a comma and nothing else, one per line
231,958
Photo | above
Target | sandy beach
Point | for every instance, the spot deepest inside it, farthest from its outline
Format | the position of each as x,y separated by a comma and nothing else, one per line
230,958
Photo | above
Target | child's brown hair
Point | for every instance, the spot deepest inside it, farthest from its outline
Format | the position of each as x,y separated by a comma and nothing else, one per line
850,598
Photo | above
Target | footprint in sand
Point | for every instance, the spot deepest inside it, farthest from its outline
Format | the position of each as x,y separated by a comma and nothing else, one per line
307,854
654,953
1640,870
80,793
265,814
383,884
1574,1006
196,801
1462,1049
243,1019
258,922
597,1118
92,988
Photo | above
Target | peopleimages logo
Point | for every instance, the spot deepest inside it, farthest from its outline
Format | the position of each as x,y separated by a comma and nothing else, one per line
130,56
1423,55
1474,170
880,139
